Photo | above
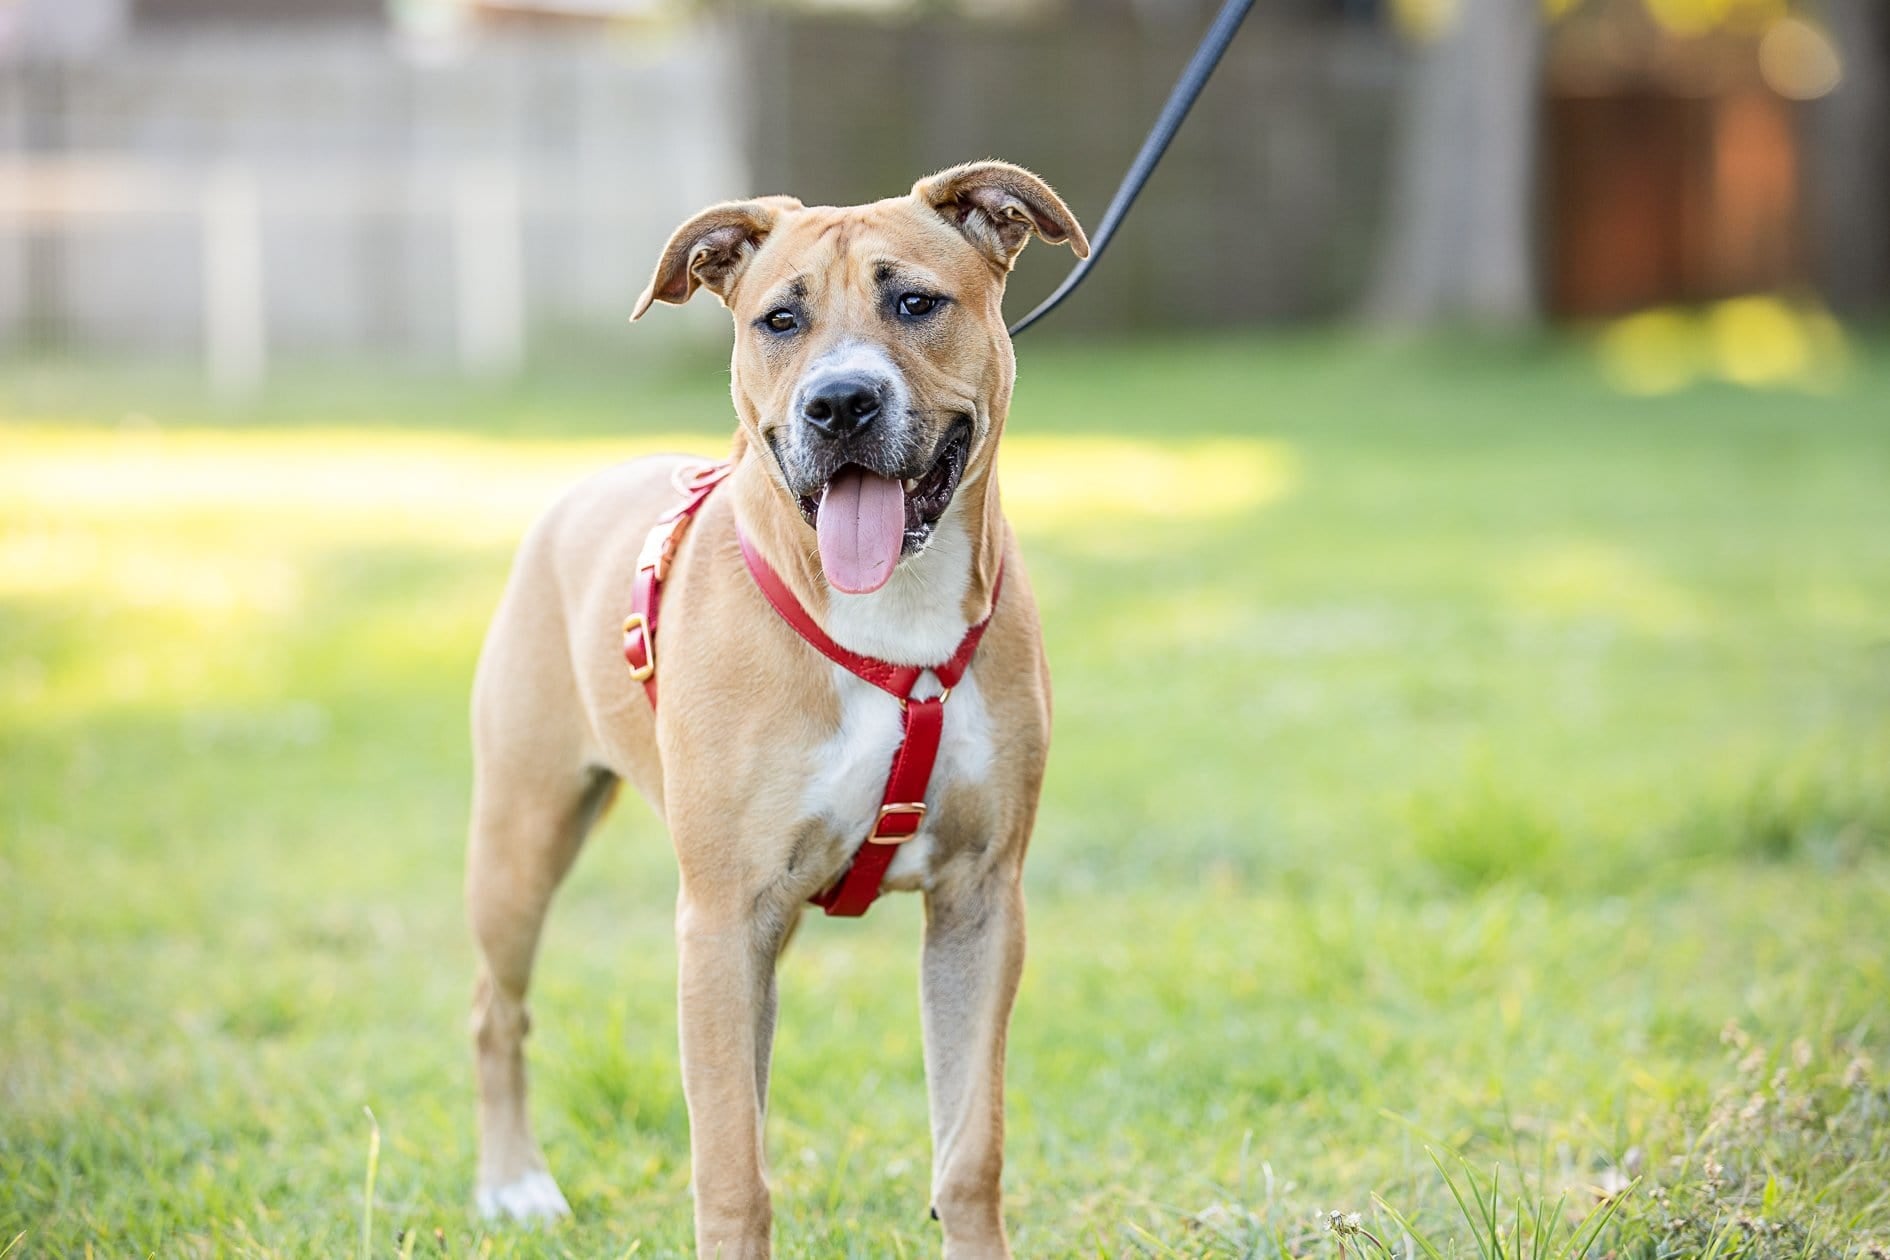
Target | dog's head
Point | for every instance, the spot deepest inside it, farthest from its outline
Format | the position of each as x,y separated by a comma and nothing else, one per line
871,359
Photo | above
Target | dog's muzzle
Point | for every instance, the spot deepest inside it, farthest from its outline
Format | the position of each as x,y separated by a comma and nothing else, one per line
854,442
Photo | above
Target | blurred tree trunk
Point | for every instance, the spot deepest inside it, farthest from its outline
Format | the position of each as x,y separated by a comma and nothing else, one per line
1460,239
1849,151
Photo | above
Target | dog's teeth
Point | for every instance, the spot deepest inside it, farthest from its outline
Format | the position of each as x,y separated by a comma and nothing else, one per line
911,484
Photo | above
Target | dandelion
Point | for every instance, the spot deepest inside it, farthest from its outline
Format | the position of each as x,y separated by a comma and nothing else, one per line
1344,1225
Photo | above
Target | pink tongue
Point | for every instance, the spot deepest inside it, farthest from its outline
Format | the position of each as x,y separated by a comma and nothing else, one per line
862,526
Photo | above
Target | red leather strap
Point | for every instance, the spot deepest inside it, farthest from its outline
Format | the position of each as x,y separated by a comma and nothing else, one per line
902,806
696,482
898,680
639,629
922,722
901,813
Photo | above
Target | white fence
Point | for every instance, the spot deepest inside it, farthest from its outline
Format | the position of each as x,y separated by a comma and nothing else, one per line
247,198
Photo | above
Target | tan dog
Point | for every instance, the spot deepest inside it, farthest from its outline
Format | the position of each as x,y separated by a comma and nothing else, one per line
872,375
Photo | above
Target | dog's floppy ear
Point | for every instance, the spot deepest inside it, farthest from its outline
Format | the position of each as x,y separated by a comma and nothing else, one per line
711,249
998,206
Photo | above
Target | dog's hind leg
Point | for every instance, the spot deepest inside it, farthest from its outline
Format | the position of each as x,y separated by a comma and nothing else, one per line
526,831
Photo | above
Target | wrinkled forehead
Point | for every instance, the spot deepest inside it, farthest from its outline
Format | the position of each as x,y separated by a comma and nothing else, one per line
862,248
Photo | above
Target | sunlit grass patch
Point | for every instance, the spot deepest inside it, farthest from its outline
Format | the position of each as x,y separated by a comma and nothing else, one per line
200,552
1589,579
1074,484
332,486
222,523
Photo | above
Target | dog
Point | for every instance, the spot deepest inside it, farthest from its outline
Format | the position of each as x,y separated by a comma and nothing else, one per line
872,375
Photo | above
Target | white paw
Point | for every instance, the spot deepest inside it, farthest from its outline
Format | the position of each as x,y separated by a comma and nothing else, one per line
533,1197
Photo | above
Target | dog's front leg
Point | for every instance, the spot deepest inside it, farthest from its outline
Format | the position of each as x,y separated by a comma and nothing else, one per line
726,1008
974,952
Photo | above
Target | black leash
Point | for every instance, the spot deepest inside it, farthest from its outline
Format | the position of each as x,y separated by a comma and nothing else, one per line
1180,101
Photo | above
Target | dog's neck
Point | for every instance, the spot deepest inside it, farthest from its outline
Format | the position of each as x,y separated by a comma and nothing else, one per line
921,614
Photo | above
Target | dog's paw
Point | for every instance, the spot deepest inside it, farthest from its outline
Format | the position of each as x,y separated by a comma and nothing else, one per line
532,1198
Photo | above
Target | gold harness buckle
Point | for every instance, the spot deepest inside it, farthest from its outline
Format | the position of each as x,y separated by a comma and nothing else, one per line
915,808
636,623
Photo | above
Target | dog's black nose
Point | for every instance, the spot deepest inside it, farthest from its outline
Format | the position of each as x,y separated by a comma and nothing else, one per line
842,405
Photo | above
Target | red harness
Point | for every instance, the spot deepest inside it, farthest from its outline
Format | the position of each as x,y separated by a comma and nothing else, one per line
922,721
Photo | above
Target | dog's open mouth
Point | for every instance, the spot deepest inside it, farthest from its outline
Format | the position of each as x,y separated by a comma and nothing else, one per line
867,520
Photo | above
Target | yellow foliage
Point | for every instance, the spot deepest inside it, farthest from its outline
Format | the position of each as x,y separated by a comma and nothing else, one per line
1698,17
1760,342
1425,20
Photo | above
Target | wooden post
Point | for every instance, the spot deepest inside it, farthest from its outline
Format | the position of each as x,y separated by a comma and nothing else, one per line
489,263
236,344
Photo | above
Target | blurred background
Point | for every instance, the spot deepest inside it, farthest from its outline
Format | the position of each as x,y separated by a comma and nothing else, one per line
470,182
1459,506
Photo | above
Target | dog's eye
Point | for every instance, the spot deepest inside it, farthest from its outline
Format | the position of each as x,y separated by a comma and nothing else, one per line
915,305
782,321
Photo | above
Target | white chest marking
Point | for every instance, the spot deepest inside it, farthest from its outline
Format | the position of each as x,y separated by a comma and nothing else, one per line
916,618
850,768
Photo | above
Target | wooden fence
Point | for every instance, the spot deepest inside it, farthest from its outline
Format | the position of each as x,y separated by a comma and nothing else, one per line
1267,207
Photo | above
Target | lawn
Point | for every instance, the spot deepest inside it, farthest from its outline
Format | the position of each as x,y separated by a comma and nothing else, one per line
1451,755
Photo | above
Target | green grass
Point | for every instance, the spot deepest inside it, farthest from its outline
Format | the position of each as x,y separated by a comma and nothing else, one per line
1447,751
